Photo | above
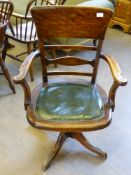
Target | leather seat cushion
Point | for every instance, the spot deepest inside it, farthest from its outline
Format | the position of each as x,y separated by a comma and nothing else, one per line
69,101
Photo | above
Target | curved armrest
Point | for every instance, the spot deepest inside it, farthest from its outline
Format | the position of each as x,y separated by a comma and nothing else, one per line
115,70
18,79
18,15
118,79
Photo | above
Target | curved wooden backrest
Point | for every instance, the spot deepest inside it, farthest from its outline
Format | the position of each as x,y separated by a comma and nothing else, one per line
68,21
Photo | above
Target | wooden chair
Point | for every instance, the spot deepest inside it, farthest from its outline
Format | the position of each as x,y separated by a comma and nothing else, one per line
23,29
70,105
6,9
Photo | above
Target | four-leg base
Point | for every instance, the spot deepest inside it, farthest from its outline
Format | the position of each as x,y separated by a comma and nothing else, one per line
80,138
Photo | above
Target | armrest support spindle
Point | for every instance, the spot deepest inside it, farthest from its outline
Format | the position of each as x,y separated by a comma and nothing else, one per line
118,79
21,77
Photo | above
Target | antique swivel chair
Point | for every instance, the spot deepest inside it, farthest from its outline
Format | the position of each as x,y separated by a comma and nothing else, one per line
6,9
67,103
22,30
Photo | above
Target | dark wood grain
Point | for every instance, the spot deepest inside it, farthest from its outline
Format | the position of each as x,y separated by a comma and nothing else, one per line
82,22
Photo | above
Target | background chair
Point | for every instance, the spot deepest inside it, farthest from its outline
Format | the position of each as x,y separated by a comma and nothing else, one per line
6,9
22,29
69,104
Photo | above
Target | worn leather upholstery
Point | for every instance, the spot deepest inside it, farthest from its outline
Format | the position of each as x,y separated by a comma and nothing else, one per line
72,102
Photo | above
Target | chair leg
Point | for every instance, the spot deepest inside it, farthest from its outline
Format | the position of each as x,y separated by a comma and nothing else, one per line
82,140
61,139
94,42
7,75
31,67
4,51
34,46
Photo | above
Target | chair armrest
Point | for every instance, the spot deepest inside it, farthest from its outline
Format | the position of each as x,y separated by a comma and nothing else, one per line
18,15
118,79
18,79
115,70
21,77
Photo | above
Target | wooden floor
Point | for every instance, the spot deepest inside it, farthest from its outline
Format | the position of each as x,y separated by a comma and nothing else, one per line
23,148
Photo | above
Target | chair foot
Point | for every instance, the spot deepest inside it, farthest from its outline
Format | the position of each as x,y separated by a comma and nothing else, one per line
12,88
61,139
82,140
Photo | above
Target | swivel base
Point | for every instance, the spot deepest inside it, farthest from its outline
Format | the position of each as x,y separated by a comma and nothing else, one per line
80,138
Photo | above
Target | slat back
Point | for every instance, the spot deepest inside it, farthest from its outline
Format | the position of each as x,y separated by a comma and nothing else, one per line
68,21
6,9
74,22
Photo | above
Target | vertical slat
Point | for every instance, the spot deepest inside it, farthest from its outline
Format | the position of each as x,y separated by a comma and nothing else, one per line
6,11
35,2
31,30
56,2
43,63
17,27
2,9
20,28
95,69
35,35
42,2
26,30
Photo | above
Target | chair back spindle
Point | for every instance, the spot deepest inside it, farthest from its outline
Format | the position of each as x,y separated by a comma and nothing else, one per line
6,9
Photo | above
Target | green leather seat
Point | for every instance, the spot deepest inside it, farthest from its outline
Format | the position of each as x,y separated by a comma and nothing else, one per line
72,102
